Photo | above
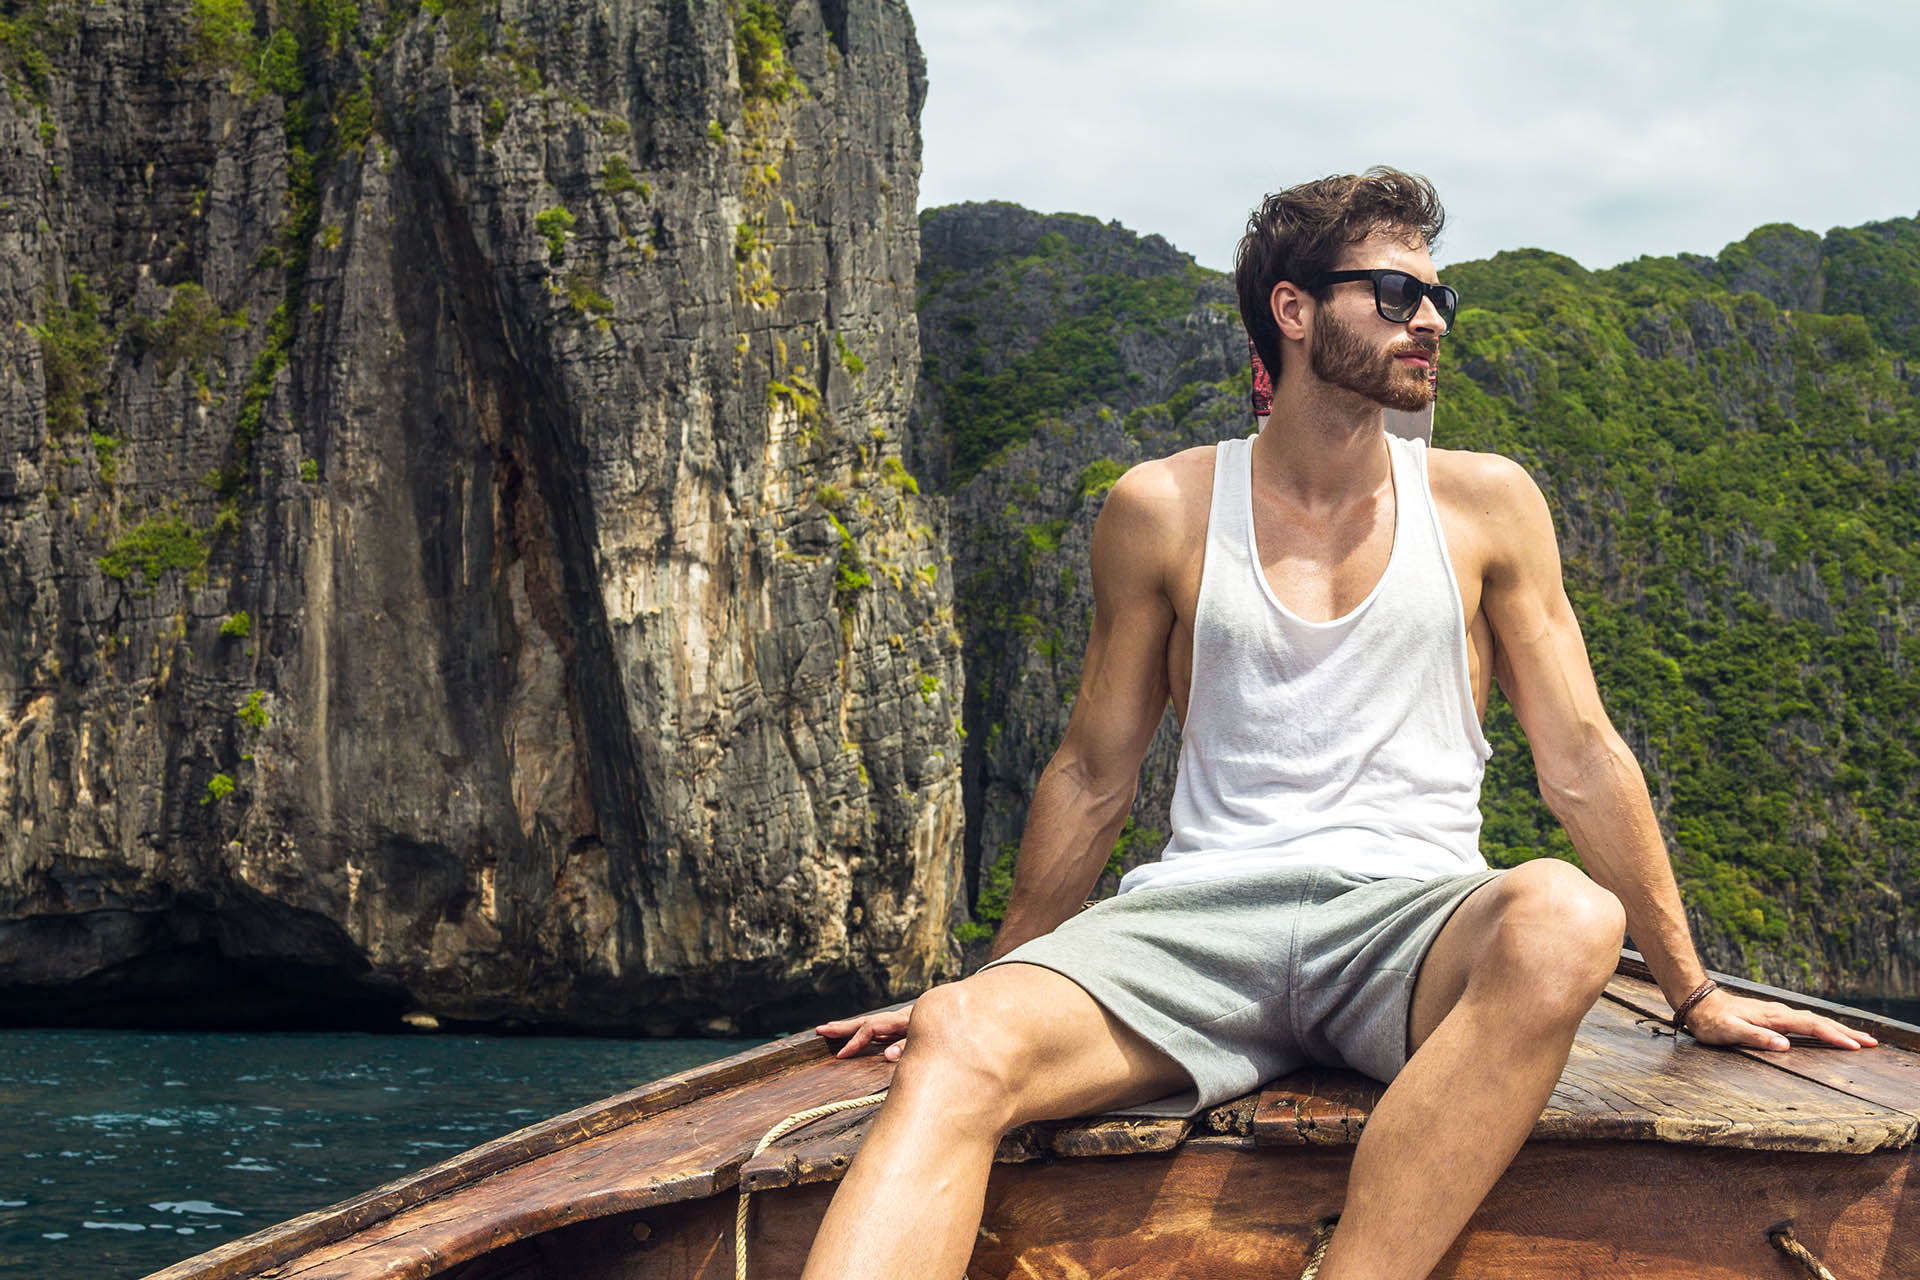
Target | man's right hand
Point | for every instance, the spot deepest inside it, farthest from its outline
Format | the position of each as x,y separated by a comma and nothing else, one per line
873,1030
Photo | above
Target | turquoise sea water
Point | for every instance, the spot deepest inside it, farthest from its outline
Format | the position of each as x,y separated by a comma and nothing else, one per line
124,1151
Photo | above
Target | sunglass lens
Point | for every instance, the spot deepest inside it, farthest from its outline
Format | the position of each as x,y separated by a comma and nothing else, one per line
1445,301
1398,295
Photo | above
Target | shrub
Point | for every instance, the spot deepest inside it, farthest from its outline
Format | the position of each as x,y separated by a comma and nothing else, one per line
619,178
555,224
157,545
1100,475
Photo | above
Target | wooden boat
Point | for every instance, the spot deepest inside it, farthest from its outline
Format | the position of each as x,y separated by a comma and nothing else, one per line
1656,1157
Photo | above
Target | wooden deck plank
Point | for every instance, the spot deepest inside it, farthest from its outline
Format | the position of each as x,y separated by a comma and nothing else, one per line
1119,1136
1888,1075
823,1151
818,1153
1629,1078
1563,1211
1318,1107
1886,1030
1625,1081
689,1136
692,1152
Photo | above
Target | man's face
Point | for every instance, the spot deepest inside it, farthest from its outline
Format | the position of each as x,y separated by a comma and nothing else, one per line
1352,347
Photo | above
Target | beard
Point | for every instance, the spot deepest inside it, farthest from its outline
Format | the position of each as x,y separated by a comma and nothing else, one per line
1339,355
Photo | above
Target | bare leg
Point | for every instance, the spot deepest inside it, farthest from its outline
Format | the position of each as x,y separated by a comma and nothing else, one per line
1494,1014
1008,1045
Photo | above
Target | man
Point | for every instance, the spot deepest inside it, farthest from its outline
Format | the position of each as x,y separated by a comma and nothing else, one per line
1326,606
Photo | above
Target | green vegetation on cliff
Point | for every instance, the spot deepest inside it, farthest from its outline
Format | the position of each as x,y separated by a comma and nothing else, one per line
993,398
1739,503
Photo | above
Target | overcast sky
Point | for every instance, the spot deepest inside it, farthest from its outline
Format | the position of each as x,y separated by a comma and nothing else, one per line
1601,130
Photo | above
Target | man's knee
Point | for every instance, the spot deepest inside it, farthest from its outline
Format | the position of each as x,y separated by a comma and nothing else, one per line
1557,933
963,1054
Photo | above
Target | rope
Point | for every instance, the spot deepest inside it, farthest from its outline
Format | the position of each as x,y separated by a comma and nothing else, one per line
1780,1235
1322,1237
792,1122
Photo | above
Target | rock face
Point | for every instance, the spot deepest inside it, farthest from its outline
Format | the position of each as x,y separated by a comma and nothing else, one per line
455,547
1110,348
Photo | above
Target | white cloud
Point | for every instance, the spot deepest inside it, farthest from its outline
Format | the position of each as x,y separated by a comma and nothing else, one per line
1602,132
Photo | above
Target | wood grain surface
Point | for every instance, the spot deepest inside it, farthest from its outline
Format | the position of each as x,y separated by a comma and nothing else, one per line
1224,1211
692,1152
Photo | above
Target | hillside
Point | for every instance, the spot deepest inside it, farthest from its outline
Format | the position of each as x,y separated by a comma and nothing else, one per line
1731,447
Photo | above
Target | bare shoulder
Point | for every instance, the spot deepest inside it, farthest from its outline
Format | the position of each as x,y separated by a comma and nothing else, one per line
1164,495
1495,513
1153,519
1489,493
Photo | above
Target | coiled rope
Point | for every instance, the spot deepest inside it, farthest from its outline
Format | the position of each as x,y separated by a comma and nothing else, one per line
1780,1235
1322,1237
781,1130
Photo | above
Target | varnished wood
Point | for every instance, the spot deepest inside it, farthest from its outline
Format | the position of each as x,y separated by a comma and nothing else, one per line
688,1138
1321,1107
1119,1136
1888,1074
691,1153
1628,1079
820,1152
1225,1211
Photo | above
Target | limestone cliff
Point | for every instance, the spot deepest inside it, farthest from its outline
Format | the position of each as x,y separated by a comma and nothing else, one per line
1057,352
454,541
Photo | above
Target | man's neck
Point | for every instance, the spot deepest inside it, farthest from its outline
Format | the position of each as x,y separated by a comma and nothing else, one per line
1322,446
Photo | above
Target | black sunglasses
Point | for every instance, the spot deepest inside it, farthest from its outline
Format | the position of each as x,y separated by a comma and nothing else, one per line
1397,295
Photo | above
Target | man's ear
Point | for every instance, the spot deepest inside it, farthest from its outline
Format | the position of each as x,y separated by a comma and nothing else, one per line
1290,303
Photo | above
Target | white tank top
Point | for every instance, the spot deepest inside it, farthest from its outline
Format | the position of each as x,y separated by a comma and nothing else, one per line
1352,743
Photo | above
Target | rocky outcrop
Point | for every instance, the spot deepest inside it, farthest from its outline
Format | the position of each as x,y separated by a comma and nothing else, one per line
1136,353
455,546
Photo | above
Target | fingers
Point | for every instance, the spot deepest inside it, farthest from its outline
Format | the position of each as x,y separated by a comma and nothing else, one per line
868,1032
1768,1025
859,1040
1785,1021
1825,1030
1758,1037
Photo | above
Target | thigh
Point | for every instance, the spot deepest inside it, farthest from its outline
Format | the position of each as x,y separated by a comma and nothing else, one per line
1061,1053
1449,962
1535,919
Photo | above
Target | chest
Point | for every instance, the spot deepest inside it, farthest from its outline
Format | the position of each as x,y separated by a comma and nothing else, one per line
1322,565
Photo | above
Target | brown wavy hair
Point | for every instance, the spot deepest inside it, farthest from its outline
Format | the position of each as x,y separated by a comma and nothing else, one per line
1296,234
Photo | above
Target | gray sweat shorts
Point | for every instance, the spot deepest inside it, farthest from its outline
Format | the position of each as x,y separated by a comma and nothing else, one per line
1246,978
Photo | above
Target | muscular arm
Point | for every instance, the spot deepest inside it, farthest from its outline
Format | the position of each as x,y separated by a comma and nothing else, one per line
1588,776
1084,793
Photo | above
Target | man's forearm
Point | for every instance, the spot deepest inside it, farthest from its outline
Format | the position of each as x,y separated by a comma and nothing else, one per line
1609,816
1071,827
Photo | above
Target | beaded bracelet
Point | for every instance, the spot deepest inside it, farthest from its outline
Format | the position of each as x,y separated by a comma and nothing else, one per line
1700,993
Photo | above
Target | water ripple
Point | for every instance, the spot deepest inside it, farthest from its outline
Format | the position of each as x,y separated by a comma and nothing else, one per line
150,1147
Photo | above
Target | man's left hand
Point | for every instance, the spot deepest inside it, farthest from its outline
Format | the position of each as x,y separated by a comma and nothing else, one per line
1724,1018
